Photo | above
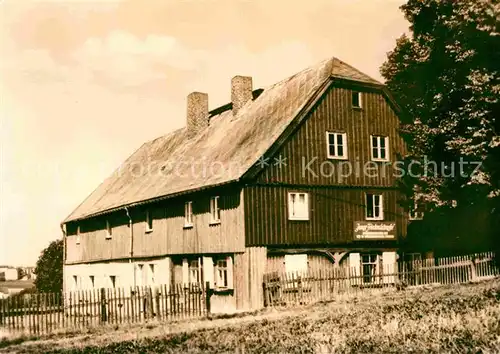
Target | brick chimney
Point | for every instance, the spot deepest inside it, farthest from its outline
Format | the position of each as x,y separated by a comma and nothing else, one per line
241,92
197,113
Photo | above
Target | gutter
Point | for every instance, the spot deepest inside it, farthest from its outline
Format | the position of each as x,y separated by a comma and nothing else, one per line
131,234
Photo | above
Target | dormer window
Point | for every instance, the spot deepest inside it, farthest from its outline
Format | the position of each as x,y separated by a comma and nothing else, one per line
109,230
356,99
214,210
149,221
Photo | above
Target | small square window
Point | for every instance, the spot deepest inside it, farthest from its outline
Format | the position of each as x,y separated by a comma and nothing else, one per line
188,214
109,230
298,206
336,145
149,221
374,207
356,99
214,210
379,148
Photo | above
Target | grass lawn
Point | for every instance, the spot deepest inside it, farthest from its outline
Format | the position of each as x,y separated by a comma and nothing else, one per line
447,319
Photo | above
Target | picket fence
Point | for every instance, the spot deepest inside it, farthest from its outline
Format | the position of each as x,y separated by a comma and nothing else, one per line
45,313
325,285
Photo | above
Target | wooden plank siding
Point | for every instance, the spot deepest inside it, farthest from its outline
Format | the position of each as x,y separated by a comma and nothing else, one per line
169,236
332,213
334,113
334,203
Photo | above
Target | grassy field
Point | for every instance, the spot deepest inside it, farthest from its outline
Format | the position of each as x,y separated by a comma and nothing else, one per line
448,319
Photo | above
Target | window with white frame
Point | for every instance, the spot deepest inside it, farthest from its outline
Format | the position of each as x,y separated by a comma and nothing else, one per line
188,214
298,206
224,272
374,207
151,275
109,229
92,281
221,273
149,221
356,99
214,210
194,271
75,282
78,235
416,212
369,267
379,148
336,145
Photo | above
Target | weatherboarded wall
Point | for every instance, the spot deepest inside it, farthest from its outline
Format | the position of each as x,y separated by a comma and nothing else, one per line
168,236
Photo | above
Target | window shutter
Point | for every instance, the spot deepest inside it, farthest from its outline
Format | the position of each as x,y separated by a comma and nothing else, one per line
355,266
208,271
229,261
389,266
185,271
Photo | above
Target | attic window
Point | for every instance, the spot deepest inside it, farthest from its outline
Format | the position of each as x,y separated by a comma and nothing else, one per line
109,230
356,99
149,221
214,210
78,235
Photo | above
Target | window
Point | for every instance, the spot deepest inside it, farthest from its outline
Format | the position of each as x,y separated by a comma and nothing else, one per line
214,210
112,279
374,207
380,148
149,221
415,212
369,267
151,278
337,145
75,282
298,206
194,271
356,99
139,276
221,273
188,214
92,280
296,263
109,230
78,235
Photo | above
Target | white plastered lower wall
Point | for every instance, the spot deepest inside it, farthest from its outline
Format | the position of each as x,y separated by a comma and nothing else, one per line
126,274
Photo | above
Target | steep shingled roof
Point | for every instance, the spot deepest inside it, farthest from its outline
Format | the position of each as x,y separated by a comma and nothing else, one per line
232,145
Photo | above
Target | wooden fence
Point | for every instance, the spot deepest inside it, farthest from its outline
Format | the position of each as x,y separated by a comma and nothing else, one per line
46,313
324,285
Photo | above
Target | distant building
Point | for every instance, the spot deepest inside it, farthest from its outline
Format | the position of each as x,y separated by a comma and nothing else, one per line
8,273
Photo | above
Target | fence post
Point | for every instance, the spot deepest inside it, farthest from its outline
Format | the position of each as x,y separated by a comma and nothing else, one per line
473,269
208,294
104,316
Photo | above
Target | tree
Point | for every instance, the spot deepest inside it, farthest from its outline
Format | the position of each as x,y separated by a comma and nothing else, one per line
49,268
446,77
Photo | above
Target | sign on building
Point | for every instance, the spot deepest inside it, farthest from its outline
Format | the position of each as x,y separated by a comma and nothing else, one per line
378,230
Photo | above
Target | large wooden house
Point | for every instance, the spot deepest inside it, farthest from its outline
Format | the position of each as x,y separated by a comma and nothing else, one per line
297,176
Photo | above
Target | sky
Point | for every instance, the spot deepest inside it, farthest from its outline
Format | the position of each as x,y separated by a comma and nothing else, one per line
84,83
